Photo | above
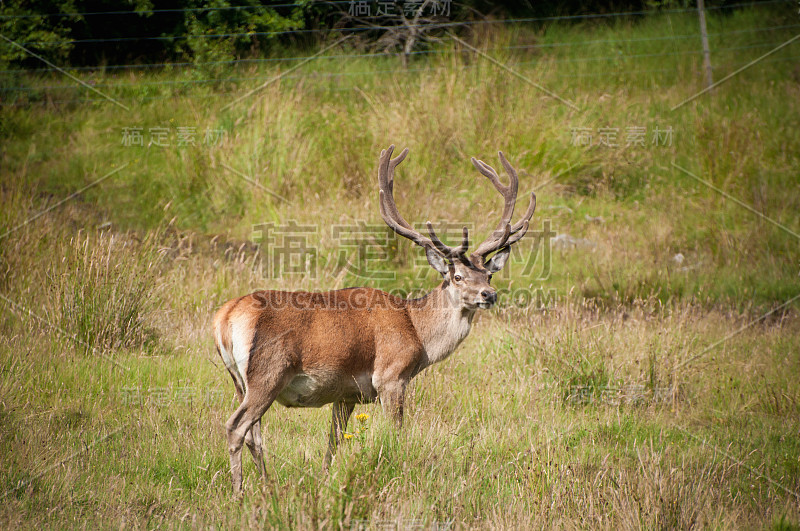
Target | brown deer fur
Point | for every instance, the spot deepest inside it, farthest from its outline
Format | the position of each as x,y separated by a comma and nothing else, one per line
354,345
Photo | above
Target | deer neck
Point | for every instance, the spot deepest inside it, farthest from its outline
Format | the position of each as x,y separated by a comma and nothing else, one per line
441,322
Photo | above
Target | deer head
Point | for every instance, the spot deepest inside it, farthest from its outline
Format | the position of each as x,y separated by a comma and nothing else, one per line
465,277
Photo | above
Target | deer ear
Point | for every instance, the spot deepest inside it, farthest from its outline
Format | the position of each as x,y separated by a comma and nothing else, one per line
497,261
436,260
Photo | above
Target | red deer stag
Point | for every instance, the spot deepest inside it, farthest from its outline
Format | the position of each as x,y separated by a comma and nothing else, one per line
357,345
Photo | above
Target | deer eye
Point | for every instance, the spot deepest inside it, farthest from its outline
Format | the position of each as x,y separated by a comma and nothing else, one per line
458,278
490,277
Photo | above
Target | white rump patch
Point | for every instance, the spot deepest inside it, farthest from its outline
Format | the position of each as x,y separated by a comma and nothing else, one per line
237,361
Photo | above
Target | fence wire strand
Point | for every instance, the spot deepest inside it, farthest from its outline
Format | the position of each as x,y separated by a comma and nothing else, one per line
619,58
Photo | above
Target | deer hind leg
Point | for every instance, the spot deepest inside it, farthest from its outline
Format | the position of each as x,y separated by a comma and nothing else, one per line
253,442
341,414
253,437
245,424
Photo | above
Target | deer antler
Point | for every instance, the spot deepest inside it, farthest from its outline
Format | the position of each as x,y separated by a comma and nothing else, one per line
392,216
505,234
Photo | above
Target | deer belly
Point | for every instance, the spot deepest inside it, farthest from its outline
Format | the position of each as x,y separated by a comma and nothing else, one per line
306,390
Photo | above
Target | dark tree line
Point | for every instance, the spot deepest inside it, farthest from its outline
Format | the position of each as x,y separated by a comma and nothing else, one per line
97,32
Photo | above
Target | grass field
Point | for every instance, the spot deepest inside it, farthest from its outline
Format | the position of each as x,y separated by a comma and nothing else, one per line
644,375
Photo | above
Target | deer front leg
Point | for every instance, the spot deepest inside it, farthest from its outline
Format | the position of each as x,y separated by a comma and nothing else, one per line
392,395
341,414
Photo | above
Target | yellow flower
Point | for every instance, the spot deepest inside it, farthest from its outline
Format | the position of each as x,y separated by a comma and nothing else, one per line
348,435
361,417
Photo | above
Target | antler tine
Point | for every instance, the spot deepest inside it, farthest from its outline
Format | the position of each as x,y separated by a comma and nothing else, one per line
386,202
509,193
518,236
521,227
386,182
489,172
500,237
399,225
391,215
453,253
393,163
525,218
512,173
503,236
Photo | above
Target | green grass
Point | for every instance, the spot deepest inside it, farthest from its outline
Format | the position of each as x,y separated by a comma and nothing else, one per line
586,408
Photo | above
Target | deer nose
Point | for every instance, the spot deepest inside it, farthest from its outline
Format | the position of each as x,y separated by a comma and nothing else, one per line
489,295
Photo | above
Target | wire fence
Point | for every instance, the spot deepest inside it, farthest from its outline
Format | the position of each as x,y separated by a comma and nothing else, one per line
384,72
623,63
350,2
175,10
438,51
334,74
379,27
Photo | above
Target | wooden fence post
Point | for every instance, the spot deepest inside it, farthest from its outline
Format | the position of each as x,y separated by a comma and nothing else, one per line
701,10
